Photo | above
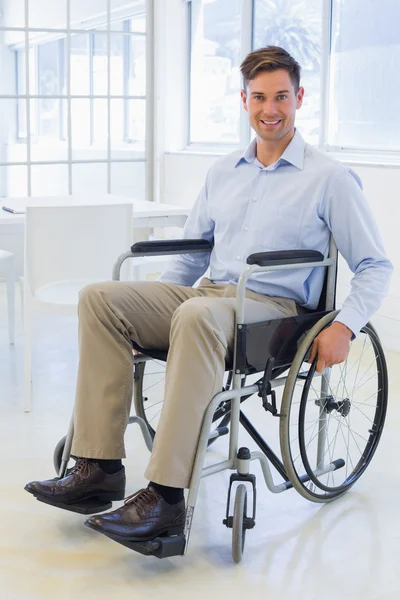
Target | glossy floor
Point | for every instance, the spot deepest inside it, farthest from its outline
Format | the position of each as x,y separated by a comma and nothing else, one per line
347,550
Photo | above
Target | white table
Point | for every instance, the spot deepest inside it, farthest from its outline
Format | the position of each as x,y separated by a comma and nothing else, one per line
145,214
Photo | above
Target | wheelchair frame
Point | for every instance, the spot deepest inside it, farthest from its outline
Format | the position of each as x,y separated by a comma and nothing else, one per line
238,460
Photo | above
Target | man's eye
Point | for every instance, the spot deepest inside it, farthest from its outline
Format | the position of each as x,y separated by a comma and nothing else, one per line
258,97
282,97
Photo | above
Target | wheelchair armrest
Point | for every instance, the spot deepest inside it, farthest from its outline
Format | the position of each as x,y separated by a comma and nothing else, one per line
160,247
284,257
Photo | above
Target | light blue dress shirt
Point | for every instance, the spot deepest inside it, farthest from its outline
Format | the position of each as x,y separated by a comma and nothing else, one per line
292,204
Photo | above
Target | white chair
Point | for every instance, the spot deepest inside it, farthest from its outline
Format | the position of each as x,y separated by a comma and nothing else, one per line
7,260
66,248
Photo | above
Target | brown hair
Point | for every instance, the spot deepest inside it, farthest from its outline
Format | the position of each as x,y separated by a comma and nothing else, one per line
270,58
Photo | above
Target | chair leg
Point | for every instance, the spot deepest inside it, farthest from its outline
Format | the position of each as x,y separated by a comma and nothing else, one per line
21,295
27,356
10,278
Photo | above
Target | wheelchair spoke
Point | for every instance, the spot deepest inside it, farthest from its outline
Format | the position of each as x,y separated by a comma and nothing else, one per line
360,385
152,385
156,415
150,406
361,411
348,457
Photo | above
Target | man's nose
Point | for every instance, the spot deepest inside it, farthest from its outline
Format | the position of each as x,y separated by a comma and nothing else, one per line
269,108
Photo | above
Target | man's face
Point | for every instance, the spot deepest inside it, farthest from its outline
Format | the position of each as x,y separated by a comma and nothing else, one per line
271,101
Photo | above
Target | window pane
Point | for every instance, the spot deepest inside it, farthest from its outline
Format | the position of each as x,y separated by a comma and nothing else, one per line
215,77
13,181
137,66
117,123
80,124
21,71
50,84
296,26
138,23
49,119
80,65
136,121
128,179
89,178
21,90
365,78
100,126
49,68
50,15
100,123
100,79
8,120
100,83
33,115
13,18
49,180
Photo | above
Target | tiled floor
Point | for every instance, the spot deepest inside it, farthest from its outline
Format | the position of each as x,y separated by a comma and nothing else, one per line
347,550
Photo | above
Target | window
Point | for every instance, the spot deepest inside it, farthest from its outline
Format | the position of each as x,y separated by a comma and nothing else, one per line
365,76
86,99
349,51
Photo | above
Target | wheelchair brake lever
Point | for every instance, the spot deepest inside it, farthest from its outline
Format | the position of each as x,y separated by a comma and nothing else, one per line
265,390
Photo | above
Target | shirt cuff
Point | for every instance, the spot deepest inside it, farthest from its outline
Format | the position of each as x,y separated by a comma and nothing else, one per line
352,319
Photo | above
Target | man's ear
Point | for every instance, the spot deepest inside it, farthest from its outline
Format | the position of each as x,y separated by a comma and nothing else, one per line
243,96
299,97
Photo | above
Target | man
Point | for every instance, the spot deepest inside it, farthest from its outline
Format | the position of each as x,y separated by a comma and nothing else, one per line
279,194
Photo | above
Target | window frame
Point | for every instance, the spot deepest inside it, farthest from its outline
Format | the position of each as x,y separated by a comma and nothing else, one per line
62,59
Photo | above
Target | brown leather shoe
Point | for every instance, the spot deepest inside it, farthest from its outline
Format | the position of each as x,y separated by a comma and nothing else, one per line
144,516
86,480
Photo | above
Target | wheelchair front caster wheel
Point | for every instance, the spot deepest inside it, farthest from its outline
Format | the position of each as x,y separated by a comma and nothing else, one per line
238,525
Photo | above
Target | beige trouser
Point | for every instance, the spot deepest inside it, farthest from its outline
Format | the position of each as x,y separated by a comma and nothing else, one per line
198,326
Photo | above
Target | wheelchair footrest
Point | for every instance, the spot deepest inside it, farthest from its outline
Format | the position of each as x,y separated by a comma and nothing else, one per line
160,547
86,507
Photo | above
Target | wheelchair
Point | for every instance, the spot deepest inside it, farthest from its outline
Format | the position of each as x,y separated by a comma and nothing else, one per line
330,423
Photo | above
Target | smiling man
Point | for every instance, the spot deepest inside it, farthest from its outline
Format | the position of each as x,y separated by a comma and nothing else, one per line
279,194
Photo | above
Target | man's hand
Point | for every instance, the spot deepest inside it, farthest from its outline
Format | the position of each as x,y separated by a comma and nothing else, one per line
331,345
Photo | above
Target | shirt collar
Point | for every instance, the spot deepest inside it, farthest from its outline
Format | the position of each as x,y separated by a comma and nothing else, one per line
293,154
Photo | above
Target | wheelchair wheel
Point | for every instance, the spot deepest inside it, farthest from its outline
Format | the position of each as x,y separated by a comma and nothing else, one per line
149,393
238,527
331,422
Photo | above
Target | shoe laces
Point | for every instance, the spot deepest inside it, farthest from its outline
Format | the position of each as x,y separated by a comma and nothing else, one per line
143,500
83,468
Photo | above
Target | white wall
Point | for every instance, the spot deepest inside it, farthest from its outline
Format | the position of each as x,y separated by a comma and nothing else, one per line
183,176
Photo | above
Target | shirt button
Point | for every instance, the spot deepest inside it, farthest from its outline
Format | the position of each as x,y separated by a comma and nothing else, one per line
246,228
238,258
254,199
